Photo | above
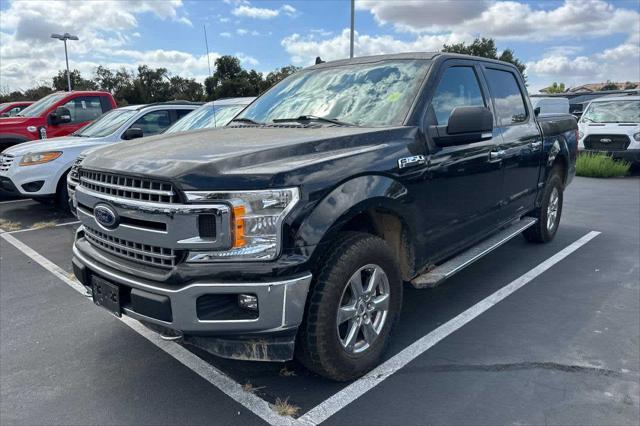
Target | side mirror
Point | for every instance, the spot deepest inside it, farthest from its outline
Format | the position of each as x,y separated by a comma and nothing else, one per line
467,124
132,133
60,116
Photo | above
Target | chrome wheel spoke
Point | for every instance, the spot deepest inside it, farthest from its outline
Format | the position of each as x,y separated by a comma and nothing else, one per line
369,332
345,313
373,280
381,303
352,336
356,285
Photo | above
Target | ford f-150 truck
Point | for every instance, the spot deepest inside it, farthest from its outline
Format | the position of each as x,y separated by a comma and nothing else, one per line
9,109
57,114
291,230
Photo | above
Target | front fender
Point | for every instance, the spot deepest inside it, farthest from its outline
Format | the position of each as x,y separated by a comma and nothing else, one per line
346,201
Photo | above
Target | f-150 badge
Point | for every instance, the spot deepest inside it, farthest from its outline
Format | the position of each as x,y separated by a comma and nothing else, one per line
411,161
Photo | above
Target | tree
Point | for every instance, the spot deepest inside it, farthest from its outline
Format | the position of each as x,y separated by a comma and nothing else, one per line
554,88
485,48
609,85
77,82
185,89
629,85
278,75
150,85
230,80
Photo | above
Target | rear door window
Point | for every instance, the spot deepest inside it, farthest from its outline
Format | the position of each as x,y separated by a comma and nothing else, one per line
84,108
507,96
458,86
153,122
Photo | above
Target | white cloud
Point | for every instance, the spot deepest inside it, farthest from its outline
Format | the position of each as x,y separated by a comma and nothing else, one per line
289,10
304,49
246,59
225,34
241,31
506,19
255,12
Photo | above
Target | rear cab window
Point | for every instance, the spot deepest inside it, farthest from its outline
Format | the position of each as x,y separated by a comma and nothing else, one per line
507,96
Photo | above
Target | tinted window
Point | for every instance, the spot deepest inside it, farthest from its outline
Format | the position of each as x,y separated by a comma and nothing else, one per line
84,108
182,112
506,93
153,122
458,87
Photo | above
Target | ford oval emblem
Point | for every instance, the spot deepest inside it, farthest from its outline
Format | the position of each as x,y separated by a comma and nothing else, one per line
105,216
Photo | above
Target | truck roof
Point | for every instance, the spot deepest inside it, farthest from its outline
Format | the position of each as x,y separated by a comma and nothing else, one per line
616,98
407,55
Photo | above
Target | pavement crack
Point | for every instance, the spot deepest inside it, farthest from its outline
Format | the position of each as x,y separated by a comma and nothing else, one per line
517,366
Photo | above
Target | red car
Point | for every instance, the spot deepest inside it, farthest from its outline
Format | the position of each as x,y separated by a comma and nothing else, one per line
57,114
9,109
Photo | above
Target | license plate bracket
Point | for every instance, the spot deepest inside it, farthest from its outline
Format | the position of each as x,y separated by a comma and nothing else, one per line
106,295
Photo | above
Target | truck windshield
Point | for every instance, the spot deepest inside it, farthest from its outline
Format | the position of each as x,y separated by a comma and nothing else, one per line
612,112
106,124
206,116
371,94
37,108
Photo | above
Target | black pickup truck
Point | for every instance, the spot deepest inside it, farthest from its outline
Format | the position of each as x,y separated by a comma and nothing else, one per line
292,231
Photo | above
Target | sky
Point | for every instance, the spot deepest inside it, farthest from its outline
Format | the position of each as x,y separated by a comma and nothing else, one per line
570,41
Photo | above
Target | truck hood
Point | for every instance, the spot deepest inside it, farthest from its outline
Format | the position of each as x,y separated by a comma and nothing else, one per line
228,157
54,144
628,129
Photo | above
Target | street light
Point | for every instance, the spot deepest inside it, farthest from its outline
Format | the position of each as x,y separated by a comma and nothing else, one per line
64,37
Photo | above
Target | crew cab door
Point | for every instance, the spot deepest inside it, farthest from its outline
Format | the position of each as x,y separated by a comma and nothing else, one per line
83,109
520,140
462,197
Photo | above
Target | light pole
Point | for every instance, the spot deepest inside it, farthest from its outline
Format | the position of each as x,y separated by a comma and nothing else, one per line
353,13
64,37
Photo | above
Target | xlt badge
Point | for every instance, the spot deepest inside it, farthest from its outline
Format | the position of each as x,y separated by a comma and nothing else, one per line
411,161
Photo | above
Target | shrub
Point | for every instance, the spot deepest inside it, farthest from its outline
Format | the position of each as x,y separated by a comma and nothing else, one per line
600,166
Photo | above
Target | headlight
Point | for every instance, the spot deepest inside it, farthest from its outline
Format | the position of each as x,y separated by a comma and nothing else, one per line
32,158
637,137
256,223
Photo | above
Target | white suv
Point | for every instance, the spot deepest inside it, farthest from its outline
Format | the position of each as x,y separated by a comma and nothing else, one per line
38,169
612,125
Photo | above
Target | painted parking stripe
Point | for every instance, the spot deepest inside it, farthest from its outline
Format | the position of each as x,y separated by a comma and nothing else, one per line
22,200
358,388
231,388
75,222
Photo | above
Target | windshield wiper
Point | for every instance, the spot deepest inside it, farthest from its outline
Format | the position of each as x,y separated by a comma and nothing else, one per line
314,118
247,120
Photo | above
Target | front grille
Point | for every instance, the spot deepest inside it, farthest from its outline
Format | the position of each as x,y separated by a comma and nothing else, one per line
607,142
137,252
5,162
134,188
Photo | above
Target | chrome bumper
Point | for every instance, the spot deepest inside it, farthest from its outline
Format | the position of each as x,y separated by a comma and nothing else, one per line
280,303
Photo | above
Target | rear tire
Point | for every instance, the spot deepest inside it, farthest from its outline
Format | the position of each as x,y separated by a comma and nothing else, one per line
550,211
62,194
347,328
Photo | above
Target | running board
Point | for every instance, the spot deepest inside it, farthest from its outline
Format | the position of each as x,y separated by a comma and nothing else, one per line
441,272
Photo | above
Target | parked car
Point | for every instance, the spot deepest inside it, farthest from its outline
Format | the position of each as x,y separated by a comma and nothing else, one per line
57,114
611,125
38,169
551,105
10,109
212,114
296,225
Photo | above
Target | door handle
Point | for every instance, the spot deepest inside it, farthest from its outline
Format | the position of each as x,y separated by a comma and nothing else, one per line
536,145
495,156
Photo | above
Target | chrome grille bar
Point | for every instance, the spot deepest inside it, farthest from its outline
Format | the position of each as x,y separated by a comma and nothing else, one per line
5,162
137,252
129,187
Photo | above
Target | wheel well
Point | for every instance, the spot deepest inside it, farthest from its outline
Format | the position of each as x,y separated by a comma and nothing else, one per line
560,163
390,228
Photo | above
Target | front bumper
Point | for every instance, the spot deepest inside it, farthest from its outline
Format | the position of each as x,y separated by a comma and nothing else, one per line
631,155
280,302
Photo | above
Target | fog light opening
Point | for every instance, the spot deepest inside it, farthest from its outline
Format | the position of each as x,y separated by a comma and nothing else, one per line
248,301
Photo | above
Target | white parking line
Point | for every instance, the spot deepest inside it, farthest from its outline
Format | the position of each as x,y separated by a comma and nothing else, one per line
45,227
356,389
231,388
350,393
22,200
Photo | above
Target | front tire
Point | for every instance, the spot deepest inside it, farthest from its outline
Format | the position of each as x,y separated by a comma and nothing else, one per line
550,211
353,306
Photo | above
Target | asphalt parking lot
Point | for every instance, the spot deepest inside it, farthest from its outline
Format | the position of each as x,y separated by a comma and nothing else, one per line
531,334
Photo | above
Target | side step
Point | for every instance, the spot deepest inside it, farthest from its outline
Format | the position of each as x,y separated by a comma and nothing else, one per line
441,272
